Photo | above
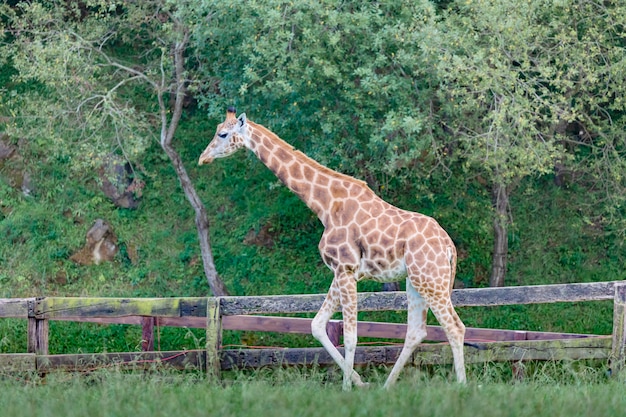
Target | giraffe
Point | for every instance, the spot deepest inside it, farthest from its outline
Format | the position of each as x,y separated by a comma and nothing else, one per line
364,238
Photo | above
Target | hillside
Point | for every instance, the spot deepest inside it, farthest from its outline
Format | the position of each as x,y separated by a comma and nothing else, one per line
265,240
260,231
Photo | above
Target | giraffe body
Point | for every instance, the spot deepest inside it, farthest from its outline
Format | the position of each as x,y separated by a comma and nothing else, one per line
364,238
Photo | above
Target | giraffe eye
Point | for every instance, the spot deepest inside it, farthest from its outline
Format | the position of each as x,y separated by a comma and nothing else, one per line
222,135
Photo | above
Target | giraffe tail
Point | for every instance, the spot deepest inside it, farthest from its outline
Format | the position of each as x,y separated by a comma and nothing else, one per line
475,345
452,259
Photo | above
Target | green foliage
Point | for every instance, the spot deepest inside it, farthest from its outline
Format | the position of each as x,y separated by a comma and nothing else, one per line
342,81
431,103
526,86
118,53
12,335
74,99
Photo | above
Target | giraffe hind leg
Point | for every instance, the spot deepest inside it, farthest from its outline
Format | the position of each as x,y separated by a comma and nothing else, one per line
435,290
455,331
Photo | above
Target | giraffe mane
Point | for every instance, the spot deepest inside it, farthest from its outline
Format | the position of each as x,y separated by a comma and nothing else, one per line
302,156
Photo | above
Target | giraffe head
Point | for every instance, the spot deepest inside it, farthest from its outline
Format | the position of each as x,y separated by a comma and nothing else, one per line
228,137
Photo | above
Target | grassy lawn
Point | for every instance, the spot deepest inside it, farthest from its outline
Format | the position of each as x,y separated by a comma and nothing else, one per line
311,393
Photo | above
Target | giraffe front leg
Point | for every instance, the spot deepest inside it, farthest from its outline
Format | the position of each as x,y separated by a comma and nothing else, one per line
349,343
318,329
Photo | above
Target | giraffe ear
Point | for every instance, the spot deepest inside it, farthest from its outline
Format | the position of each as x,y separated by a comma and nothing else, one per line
242,119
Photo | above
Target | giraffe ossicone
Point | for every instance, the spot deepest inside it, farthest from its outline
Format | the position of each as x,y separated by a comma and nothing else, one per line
364,238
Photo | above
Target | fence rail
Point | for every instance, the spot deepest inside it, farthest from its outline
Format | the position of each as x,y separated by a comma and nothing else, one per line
241,313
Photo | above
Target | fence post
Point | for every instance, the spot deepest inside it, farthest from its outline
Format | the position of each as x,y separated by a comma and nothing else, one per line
147,333
213,336
619,330
37,329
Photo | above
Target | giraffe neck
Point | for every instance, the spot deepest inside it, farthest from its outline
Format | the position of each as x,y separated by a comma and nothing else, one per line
315,184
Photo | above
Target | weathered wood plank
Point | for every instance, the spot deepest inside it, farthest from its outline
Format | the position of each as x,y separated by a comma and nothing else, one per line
297,325
334,330
530,335
59,307
18,362
515,351
191,322
382,330
188,359
147,334
534,294
37,334
213,336
472,334
306,303
537,294
425,354
618,354
14,307
133,320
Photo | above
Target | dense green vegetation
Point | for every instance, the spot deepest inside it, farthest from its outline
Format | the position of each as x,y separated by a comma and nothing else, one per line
396,94
552,243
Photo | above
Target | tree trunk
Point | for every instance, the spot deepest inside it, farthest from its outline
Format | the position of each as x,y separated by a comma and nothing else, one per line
202,222
167,134
500,238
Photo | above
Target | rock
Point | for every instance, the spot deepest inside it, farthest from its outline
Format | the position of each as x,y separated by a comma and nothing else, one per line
118,184
6,150
264,237
100,245
14,170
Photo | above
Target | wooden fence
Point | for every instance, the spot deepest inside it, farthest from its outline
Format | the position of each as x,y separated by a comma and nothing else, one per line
242,313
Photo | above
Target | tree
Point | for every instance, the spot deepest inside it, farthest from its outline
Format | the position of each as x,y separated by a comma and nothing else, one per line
93,60
587,65
490,106
515,78
343,81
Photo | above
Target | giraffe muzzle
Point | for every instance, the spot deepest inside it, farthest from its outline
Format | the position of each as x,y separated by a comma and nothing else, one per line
204,160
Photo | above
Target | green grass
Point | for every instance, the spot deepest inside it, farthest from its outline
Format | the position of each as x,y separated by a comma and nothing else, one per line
311,393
